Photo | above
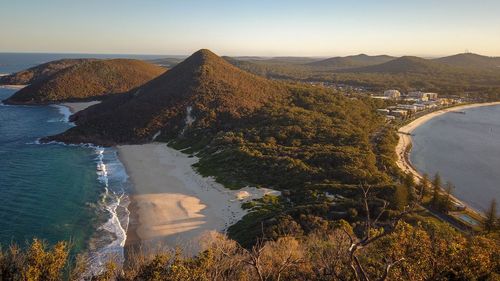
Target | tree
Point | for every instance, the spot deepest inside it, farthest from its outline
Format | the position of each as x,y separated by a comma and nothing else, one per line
401,197
446,204
490,223
436,188
409,183
424,185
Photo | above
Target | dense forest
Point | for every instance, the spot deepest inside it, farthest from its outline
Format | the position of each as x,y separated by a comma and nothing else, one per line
346,211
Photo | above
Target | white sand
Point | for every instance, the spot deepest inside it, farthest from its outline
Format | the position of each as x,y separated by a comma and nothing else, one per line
74,107
14,87
173,205
405,139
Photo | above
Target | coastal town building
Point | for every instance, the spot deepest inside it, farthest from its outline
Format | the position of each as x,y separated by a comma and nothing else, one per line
407,107
422,96
392,94
399,113
383,111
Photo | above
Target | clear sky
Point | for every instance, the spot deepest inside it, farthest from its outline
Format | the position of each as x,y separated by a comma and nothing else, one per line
257,27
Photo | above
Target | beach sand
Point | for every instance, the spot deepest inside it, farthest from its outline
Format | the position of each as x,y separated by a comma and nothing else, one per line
171,204
74,107
404,133
13,87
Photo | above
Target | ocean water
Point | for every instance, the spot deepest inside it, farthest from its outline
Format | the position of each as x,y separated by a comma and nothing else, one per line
59,192
465,150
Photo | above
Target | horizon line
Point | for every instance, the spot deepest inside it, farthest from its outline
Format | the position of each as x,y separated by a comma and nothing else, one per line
239,55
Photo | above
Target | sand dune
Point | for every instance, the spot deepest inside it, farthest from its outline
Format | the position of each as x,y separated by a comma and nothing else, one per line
173,205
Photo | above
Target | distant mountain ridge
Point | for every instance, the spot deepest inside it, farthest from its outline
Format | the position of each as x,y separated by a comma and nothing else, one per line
406,64
86,79
166,62
204,88
471,60
351,61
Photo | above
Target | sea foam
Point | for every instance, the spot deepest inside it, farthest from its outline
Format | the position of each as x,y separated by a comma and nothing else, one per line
64,111
109,240
114,202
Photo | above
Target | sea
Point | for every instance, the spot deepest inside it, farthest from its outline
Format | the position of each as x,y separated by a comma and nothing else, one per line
57,192
465,150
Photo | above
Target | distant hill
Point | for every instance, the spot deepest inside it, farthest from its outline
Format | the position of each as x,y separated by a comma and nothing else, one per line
407,64
351,61
88,79
39,72
216,91
274,60
166,62
471,61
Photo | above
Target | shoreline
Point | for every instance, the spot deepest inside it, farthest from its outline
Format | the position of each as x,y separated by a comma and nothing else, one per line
112,176
13,87
75,107
403,148
171,204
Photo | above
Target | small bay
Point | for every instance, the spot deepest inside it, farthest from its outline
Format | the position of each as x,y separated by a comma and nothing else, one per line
465,150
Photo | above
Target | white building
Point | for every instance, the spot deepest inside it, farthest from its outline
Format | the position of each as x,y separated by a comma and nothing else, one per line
423,96
408,107
420,106
392,94
399,113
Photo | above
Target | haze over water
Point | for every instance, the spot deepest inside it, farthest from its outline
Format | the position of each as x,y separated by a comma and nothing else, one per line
464,149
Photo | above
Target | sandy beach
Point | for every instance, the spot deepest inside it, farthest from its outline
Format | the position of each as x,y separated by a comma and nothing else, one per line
404,134
13,87
173,205
74,107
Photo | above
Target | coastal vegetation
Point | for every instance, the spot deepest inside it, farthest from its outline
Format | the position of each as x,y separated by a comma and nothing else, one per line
428,250
86,79
346,211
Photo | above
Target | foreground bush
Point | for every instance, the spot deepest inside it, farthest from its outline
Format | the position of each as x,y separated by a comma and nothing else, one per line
423,252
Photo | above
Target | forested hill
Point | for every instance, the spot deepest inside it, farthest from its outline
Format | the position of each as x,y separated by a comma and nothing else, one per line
248,130
287,134
86,79
39,72
217,93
